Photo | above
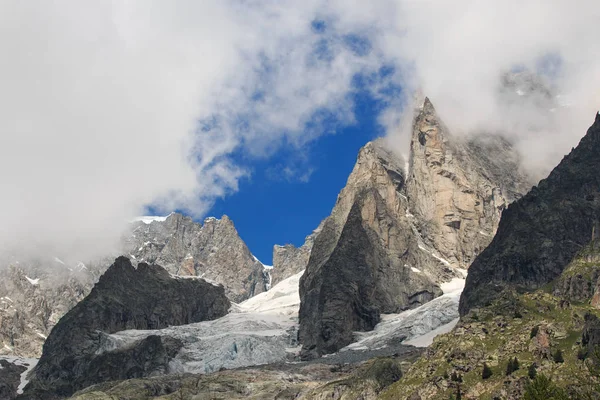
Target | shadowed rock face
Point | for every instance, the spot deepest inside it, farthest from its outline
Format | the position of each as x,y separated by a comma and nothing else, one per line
540,234
124,298
390,240
10,377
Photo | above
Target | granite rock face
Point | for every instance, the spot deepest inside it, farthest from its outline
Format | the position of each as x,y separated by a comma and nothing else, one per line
391,239
33,299
541,233
124,298
458,187
212,250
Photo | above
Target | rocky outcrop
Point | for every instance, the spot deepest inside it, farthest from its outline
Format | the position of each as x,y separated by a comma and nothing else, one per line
212,250
540,233
458,187
10,378
580,281
288,260
124,298
391,239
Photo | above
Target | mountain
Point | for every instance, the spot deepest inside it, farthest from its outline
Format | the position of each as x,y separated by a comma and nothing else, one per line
531,296
213,250
393,237
540,234
35,294
146,297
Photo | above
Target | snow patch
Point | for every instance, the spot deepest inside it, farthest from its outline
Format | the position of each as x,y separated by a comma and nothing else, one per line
58,260
147,219
456,285
417,270
34,282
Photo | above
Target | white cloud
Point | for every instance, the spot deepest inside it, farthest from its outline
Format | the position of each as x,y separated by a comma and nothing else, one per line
101,102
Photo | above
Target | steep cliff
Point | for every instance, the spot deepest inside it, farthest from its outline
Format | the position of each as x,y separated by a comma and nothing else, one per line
458,186
540,234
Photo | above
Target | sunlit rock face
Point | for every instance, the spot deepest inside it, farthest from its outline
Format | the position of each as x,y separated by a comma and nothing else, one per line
397,232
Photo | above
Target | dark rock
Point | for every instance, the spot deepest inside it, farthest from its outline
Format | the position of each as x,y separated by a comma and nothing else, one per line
10,377
539,234
124,298
590,338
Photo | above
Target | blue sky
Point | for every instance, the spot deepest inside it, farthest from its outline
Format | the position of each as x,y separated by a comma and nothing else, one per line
270,209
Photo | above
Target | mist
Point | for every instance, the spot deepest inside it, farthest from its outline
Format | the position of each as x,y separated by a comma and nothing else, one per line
109,108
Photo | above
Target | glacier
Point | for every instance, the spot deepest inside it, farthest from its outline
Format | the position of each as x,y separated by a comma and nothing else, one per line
263,330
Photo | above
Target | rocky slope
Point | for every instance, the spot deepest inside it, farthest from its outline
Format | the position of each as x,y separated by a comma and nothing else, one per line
540,234
124,298
533,328
391,239
278,381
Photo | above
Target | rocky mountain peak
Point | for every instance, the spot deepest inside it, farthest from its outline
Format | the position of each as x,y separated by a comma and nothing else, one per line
392,238
456,188
213,250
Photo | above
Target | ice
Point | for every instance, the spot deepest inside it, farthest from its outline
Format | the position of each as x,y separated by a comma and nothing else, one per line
263,330
427,339
417,326
260,330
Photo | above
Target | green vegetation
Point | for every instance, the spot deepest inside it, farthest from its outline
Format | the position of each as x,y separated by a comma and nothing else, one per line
512,366
542,388
532,371
558,356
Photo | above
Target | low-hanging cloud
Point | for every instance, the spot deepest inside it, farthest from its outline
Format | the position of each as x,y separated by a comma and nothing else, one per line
107,107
